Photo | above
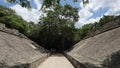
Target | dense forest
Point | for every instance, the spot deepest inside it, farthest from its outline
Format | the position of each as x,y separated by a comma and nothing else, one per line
56,30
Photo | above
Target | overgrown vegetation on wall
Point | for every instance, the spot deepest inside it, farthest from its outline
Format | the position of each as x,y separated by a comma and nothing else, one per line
88,29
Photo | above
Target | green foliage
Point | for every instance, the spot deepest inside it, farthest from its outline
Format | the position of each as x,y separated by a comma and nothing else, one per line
82,32
105,19
45,3
56,30
89,28
11,20
23,3
2,14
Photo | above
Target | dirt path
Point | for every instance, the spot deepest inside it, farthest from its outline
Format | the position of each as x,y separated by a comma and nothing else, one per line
56,61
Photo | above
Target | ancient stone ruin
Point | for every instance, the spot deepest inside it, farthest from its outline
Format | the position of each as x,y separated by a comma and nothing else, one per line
99,51
17,51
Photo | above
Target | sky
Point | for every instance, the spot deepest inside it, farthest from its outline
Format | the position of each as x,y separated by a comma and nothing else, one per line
90,13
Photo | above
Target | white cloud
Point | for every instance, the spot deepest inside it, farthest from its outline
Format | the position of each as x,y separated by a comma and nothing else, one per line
114,8
5,0
83,21
95,5
28,15
85,12
38,4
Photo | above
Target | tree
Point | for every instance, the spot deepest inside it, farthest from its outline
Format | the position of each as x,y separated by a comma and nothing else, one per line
45,3
23,3
57,27
83,31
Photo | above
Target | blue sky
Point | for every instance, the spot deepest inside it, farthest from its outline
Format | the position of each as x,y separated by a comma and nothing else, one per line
4,3
91,13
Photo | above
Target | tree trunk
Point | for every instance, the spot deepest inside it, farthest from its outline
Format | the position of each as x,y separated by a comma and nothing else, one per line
63,43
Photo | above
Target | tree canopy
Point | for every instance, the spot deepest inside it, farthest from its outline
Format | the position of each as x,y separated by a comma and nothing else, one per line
57,27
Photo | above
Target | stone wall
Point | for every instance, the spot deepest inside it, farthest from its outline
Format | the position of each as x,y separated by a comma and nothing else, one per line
106,27
75,62
17,51
93,51
11,31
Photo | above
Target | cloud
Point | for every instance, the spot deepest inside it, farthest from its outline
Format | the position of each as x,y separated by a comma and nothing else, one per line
114,8
87,13
83,21
29,15
38,4
4,0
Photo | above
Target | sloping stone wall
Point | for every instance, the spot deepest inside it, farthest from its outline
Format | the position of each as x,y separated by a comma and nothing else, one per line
17,51
11,31
93,51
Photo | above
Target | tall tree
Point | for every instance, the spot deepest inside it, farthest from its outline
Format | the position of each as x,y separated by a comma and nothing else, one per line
58,26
